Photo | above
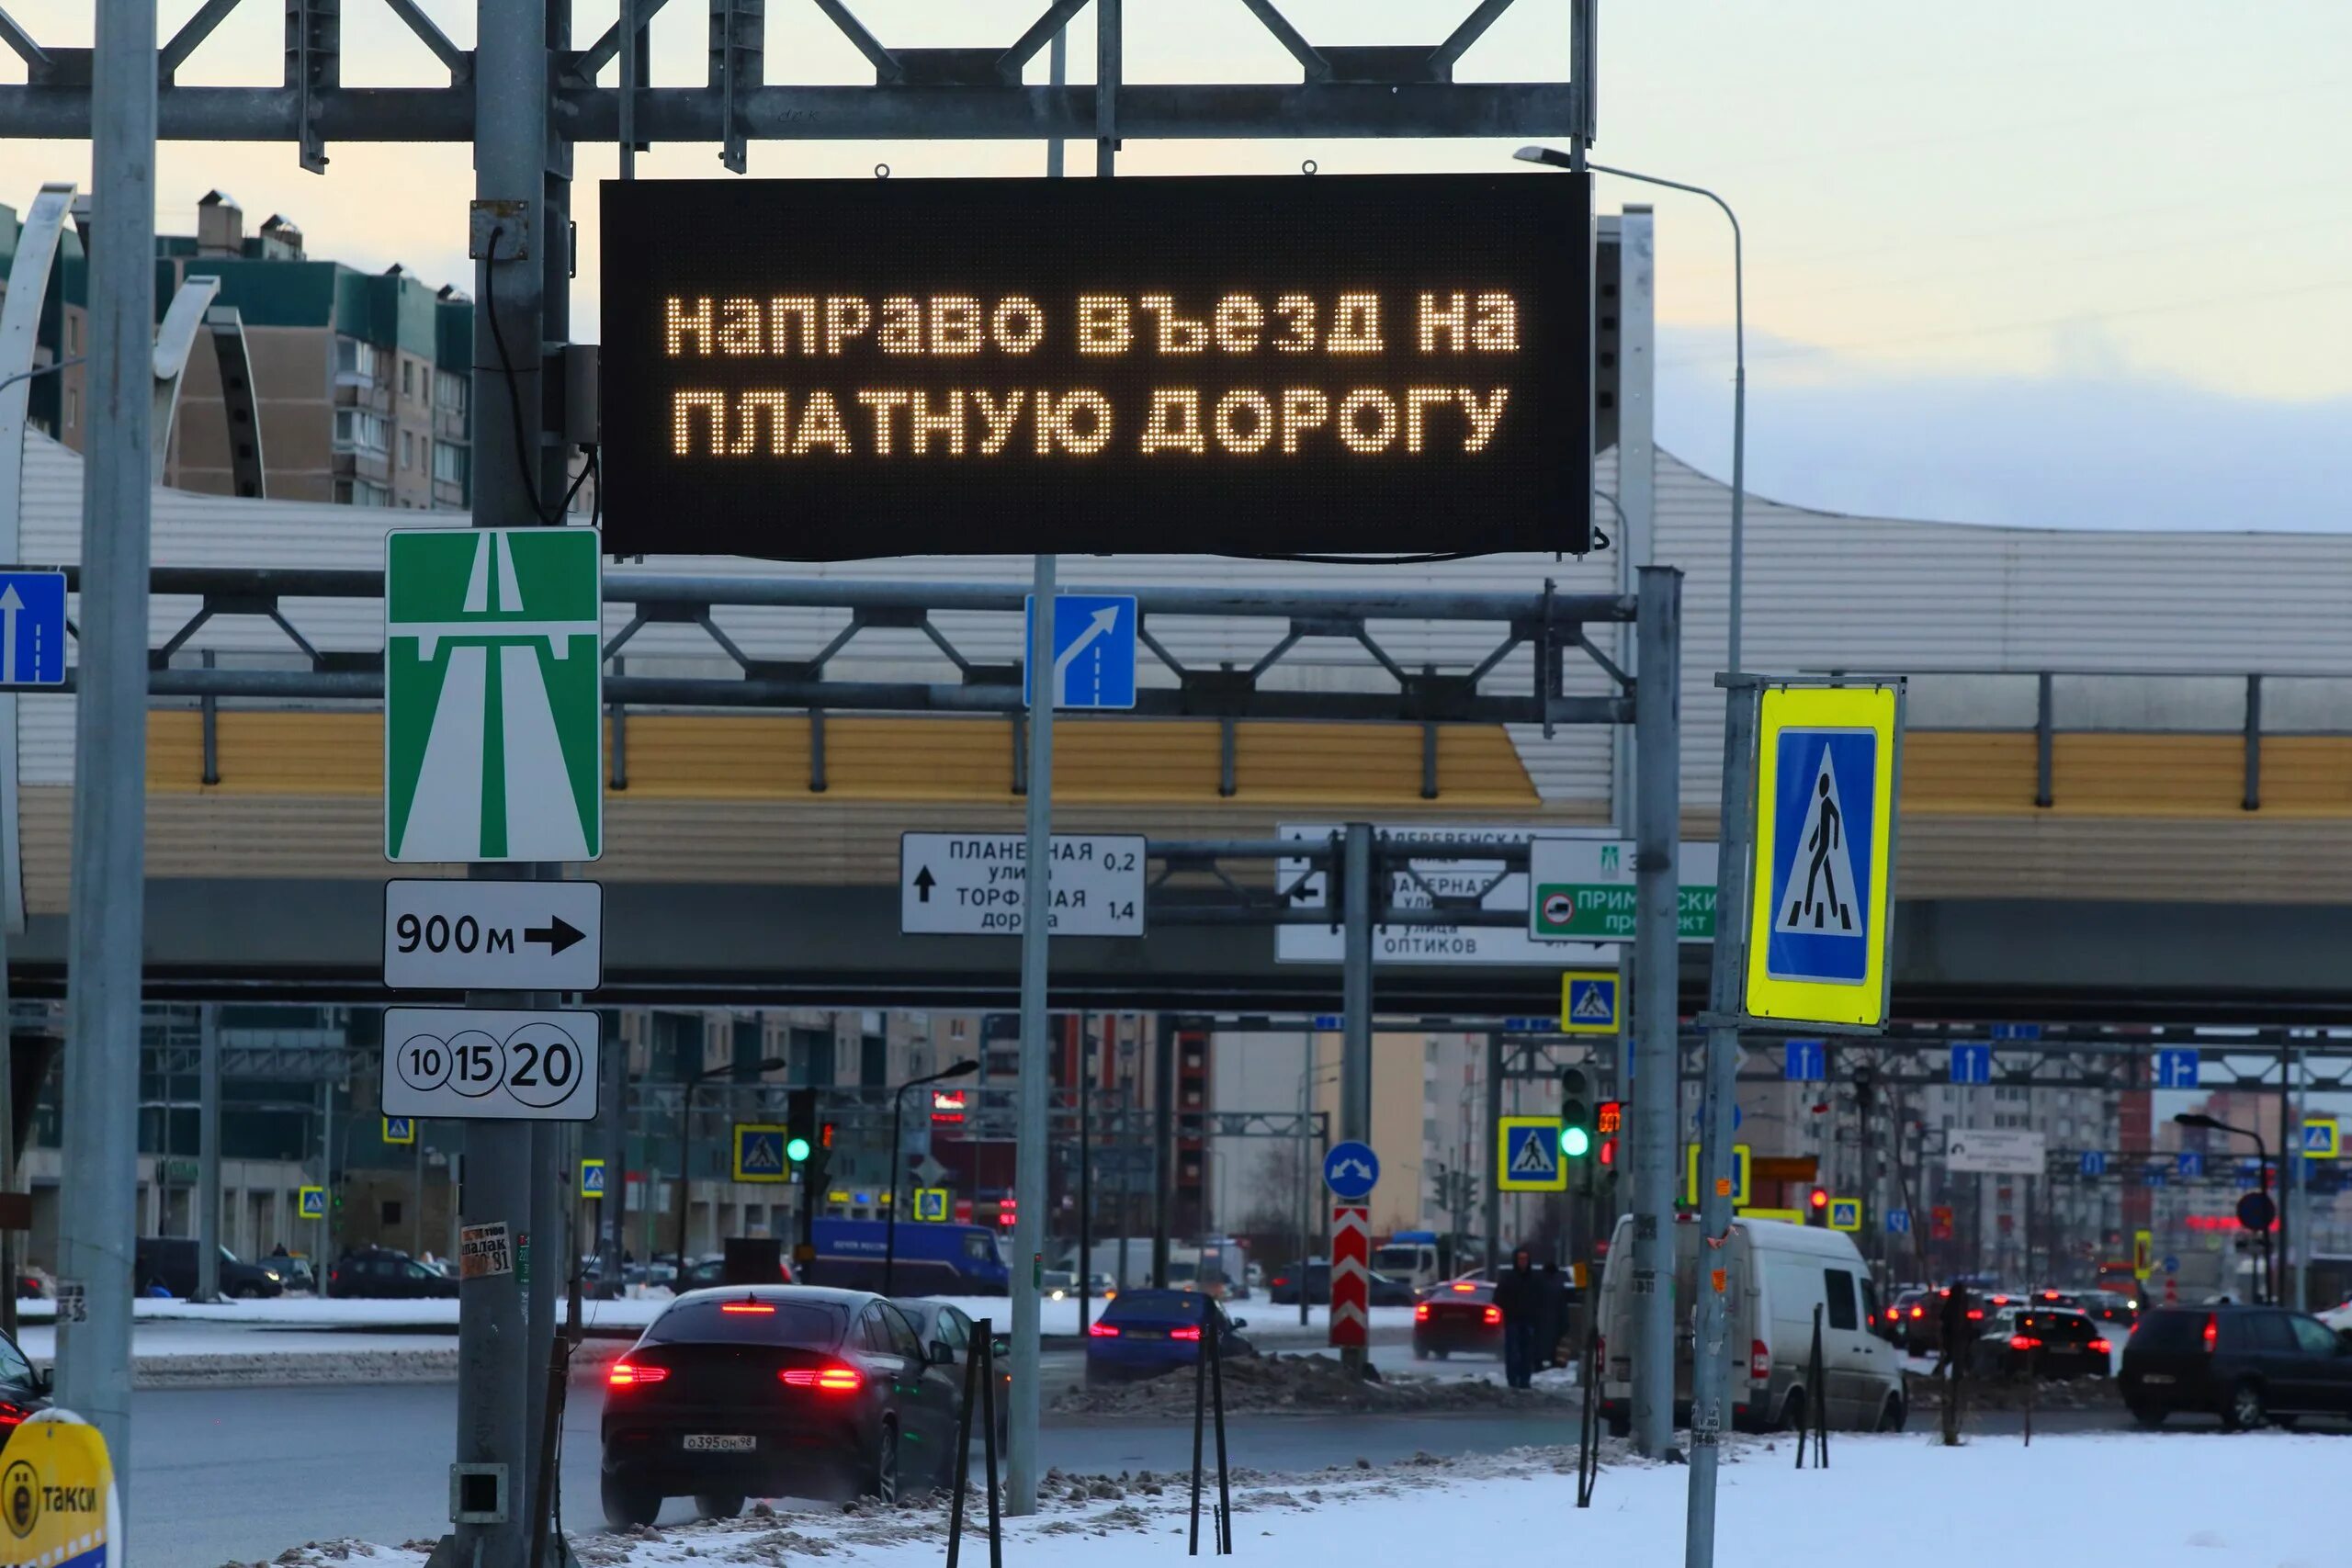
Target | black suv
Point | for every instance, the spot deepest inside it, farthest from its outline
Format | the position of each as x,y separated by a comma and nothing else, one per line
380,1274
170,1261
2246,1364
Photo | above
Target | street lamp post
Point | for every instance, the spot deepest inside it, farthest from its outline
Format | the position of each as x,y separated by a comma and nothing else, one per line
2262,1159
694,1081
897,1168
1553,158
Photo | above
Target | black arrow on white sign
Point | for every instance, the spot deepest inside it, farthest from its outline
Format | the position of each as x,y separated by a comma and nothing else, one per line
557,934
924,882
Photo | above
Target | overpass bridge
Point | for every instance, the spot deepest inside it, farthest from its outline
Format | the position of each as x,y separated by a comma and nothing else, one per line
2126,789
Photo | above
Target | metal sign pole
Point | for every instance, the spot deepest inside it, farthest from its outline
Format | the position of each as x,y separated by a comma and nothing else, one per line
1032,1153
1657,783
208,1155
1711,1363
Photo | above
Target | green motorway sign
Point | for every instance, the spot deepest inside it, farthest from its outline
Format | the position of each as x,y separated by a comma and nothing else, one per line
493,713
1582,890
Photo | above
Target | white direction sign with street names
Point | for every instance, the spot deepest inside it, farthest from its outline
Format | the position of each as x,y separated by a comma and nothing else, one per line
493,686
1433,944
2004,1150
972,883
487,1064
1582,890
449,934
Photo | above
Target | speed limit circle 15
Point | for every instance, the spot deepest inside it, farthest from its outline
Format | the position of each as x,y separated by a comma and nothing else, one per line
482,1064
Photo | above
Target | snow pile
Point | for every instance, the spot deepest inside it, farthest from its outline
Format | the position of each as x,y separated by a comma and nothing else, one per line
1310,1384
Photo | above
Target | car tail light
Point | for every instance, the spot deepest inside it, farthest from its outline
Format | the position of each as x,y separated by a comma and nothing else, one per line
628,1375
1759,1360
2101,1347
740,1309
2024,1342
1421,1311
1464,1287
1281,1279
12,1415
2212,1333
1918,1312
835,1379
1976,1315
1493,1315
1101,1331
1192,1333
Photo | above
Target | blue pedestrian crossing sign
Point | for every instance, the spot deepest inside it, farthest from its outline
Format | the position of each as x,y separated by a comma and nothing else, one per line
2320,1140
32,629
310,1202
1824,834
1588,1001
759,1152
1845,1213
1350,1170
592,1179
1742,1165
931,1204
400,1129
1527,1156
1094,650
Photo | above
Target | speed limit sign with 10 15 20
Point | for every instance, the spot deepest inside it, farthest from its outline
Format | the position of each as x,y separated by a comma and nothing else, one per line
479,1064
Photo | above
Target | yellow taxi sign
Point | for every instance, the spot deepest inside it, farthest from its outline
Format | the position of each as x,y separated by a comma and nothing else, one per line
57,1498
1826,759
1740,1166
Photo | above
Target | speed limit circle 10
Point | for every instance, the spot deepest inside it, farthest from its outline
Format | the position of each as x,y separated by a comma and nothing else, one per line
481,1064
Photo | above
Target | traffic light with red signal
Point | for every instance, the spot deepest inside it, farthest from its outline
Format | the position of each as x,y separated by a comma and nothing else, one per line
1817,1206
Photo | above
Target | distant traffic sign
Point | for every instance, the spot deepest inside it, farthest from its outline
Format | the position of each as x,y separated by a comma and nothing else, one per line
1846,1213
2321,1138
481,1064
931,1204
1527,1156
493,695
2178,1068
973,884
2094,1162
32,629
759,1152
592,1179
400,1129
1350,1170
2189,1163
310,1202
1971,1064
1094,650
1898,1222
2171,1264
1824,833
2256,1211
1743,1163
457,934
1588,1001
1805,1061
2005,1150
1582,890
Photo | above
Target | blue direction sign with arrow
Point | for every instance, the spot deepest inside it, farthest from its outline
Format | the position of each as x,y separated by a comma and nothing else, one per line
1971,1064
1094,650
2178,1069
32,628
1350,1170
2094,1162
1807,1061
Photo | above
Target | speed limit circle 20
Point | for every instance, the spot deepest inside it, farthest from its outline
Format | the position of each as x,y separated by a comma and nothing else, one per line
543,1065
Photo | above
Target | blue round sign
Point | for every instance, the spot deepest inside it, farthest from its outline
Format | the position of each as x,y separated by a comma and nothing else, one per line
1350,1170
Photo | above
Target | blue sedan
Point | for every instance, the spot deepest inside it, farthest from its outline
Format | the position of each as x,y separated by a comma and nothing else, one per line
1145,1333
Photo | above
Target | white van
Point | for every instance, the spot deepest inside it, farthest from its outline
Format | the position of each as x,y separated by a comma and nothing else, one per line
1776,1274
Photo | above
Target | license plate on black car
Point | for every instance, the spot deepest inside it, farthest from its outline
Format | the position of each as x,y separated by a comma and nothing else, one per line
1145,1334
720,1443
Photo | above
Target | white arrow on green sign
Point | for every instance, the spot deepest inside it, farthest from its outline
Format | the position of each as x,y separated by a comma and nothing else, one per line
493,689
1582,890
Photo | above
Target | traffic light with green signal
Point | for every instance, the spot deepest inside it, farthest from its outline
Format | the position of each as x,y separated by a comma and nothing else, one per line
1575,1113
800,1125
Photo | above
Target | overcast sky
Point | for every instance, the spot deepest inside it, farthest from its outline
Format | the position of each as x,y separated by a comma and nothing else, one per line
2081,264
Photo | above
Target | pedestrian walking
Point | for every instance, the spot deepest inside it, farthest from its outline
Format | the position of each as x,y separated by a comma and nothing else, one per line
1519,1293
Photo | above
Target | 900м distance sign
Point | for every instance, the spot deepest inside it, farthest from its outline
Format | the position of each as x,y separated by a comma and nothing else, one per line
976,883
485,1064
455,934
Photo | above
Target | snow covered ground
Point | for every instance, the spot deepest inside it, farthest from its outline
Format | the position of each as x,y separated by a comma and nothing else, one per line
2159,1501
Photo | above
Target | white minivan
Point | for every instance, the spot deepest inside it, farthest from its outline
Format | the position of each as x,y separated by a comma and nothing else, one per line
1775,1275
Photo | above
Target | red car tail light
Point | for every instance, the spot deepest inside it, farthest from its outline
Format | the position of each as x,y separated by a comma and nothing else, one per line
834,1379
1192,1333
2024,1342
1421,1311
2101,1347
626,1375
2212,1333
1102,1331
1976,1315
1493,1315
740,1309
1464,1287
1759,1361
1918,1312
12,1415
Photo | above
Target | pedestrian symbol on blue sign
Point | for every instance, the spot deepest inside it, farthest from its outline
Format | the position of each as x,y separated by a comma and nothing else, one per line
1807,1061
1094,650
2189,1162
2094,1162
1826,789
32,628
1531,1155
400,1129
2178,1069
1350,1170
310,1202
592,1179
759,1152
1971,1064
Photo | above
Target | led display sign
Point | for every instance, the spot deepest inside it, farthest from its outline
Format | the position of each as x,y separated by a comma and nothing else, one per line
821,370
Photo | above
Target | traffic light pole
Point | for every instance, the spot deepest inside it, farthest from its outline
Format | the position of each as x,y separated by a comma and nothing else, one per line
1710,1356
1654,1136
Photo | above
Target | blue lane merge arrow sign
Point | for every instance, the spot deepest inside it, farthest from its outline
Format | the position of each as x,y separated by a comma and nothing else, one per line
32,628
1094,650
1350,1170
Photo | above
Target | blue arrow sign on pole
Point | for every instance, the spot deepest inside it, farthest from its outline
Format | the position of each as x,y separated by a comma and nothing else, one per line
2190,1163
2178,1069
1898,1221
1971,1064
1807,1061
1094,650
2094,1162
32,628
1350,1170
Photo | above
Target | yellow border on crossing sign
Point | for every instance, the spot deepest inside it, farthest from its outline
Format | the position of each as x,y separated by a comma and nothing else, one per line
782,1171
1877,709
392,1137
932,1205
2331,1147
310,1202
1740,1157
1569,980
1548,1135
1845,1213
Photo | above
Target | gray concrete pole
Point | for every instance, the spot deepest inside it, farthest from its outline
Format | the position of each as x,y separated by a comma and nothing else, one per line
1711,1355
208,1153
1355,1021
1034,1152
105,939
1490,1166
1654,1134
612,1212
